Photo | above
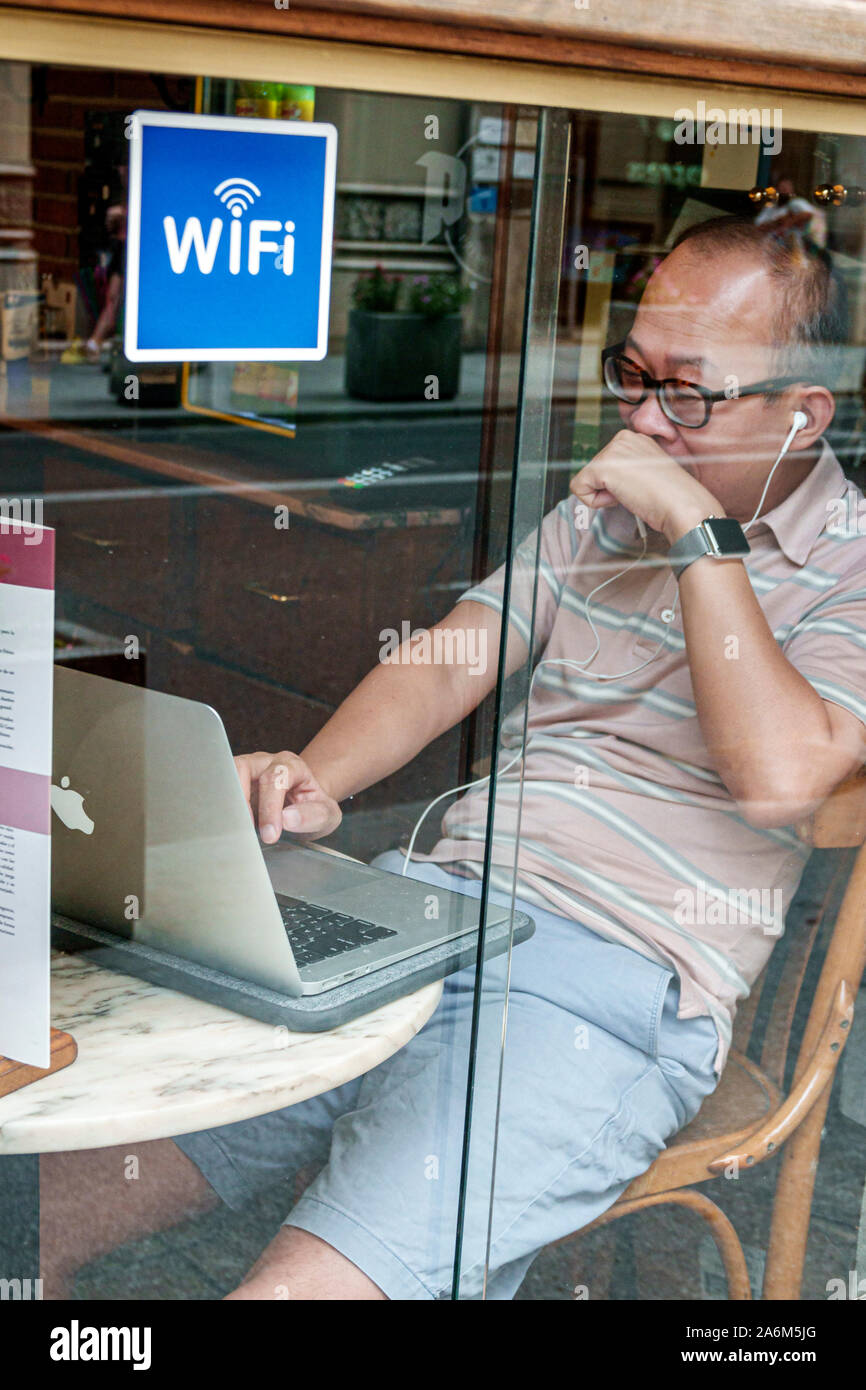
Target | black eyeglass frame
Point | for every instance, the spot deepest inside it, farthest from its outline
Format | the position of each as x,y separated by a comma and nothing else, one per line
710,398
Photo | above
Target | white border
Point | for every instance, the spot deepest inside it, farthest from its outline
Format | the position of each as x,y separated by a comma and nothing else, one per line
263,125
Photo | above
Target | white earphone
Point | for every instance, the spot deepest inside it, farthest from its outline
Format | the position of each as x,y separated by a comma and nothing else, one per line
799,422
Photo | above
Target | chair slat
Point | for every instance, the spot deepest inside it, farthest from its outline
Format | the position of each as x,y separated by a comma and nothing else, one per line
841,822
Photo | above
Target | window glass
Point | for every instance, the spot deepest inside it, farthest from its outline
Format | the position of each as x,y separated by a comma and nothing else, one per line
577,826
260,537
709,283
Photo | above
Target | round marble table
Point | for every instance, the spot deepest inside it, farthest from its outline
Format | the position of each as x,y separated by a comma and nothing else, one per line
152,1063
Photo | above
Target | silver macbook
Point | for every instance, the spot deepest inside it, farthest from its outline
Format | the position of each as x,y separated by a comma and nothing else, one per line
152,839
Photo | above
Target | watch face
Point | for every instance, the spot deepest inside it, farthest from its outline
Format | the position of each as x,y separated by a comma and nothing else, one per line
728,535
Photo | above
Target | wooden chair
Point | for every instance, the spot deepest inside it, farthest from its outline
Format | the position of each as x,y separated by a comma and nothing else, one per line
764,1107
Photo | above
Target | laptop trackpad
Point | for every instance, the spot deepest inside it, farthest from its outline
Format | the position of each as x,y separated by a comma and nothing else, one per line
304,873
371,894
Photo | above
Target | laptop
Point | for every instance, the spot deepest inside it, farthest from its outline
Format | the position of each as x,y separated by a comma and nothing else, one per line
155,855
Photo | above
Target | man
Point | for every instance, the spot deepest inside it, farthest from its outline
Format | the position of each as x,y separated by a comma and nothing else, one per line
679,726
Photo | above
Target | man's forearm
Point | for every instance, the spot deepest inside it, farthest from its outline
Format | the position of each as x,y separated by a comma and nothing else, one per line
764,725
394,713
404,703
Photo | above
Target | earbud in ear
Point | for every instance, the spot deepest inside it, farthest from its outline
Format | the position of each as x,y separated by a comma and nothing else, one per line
800,421
641,527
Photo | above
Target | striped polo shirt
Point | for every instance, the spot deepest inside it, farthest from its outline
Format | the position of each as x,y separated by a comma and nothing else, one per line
625,824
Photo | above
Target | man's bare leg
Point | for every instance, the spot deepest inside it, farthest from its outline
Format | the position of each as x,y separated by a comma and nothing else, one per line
93,1200
299,1265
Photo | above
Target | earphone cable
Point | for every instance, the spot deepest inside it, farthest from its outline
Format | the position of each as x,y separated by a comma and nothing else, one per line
799,423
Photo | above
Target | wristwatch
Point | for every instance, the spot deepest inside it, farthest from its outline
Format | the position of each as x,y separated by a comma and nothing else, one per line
719,536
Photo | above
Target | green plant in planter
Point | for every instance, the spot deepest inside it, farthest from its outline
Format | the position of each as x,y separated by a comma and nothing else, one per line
376,292
408,354
434,296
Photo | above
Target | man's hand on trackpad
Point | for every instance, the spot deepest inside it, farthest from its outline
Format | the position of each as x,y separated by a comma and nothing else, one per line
283,794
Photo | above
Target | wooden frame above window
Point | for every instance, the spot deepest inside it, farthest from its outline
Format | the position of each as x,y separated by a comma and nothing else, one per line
793,45
34,36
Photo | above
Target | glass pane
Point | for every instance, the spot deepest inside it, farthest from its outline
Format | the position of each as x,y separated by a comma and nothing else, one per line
269,540
318,556
644,814
498,801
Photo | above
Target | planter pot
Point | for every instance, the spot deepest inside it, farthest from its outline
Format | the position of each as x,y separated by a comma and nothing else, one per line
390,356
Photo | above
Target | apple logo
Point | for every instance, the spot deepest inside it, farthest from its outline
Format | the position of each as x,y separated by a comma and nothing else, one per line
69,806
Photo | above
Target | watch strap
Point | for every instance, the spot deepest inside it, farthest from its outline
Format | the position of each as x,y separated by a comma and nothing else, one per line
698,542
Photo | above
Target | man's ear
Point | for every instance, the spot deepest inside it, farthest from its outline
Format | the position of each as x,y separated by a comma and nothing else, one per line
819,406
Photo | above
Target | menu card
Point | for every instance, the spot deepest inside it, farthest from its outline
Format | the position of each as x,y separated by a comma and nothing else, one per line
26,695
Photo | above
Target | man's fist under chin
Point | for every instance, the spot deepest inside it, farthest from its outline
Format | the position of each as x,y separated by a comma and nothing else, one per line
634,472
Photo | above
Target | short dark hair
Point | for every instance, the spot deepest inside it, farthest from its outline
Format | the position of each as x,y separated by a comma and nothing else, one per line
811,321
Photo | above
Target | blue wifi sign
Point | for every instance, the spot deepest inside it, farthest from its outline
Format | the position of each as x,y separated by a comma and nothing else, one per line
230,237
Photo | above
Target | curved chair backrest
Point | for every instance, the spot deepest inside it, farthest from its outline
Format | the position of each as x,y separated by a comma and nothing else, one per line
824,940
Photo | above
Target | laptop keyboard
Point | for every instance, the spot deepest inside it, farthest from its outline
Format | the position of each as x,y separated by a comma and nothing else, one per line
318,933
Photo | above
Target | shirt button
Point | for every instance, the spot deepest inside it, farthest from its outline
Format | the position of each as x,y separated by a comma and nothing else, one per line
667,615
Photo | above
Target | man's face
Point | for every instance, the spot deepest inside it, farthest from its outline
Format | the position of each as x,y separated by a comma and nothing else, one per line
708,320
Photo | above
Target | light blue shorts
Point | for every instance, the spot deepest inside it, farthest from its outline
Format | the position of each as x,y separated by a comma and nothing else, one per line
598,1073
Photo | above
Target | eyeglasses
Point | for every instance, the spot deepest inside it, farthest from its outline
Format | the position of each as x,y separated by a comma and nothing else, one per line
683,402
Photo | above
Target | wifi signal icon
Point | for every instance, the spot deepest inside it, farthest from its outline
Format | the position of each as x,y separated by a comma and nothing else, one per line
237,194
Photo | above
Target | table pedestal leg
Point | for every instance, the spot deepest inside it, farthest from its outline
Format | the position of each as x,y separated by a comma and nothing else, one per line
19,1226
